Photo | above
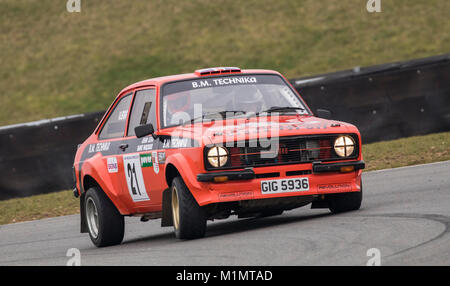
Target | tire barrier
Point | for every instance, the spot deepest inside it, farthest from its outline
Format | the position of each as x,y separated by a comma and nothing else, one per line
385,102
37,157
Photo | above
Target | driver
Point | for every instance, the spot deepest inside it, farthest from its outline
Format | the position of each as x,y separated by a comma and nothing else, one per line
249,99
178,105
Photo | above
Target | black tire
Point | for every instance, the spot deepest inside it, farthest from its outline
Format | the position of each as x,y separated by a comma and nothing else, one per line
189,219
110,223
339,203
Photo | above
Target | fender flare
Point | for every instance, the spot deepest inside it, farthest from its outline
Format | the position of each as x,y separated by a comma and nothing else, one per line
181,164
199,192
93,168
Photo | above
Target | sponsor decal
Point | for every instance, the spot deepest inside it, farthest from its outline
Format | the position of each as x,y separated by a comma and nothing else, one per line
111,163
224,81
264,128
176,143
335,188
134,178
179,142
123,115
161,157
99,147
146,144
155,162
236,196
146,160
145,147
146,140
166,143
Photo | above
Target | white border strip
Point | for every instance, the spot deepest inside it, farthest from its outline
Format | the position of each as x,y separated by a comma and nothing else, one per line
412,166
371,172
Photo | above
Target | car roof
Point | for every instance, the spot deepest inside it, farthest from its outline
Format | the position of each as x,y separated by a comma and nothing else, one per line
158,81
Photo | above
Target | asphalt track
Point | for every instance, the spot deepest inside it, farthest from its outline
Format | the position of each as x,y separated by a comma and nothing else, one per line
405,215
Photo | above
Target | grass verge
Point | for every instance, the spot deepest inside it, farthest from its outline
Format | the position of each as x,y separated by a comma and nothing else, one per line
55,63
380,155
38,207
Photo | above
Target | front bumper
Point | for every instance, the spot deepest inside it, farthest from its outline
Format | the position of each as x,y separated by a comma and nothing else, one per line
246,174
249,174
319,167
246,184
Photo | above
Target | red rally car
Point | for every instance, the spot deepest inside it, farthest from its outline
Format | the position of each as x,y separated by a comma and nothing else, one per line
217,142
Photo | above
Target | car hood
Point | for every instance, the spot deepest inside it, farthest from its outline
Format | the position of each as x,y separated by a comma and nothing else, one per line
261,127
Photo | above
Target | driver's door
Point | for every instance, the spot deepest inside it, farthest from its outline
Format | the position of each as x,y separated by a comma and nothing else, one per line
140,171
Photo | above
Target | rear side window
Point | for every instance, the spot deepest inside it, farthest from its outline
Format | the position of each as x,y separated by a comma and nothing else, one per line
143,110
115,124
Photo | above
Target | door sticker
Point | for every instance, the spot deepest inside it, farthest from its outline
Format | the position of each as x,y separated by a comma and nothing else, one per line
155,162
111,163
161,157
146,160
135,180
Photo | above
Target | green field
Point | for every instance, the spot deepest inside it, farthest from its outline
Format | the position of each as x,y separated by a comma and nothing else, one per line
55,63
380,155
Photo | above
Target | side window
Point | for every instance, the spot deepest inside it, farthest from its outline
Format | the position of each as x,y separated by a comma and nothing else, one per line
115,124
143,111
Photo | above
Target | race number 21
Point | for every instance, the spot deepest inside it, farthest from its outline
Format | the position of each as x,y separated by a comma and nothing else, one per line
134,178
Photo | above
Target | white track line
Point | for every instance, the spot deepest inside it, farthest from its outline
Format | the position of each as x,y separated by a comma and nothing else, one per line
371,172
412,166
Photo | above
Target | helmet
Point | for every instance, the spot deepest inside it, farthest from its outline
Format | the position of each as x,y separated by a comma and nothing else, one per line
178,102
248,98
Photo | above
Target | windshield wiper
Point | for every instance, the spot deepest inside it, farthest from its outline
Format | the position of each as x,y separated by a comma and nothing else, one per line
283,108
277,109
221,113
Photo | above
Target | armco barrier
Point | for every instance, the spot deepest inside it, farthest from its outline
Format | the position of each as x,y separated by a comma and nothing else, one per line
37,157
385,102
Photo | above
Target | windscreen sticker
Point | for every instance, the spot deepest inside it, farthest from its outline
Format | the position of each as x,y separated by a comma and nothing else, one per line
123,115
221,81
224,81
134,178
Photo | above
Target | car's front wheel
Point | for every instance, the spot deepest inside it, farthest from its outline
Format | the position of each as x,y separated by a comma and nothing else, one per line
106,225
189,219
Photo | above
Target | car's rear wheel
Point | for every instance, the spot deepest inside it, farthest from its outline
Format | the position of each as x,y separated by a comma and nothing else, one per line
105,224
345,202
189,219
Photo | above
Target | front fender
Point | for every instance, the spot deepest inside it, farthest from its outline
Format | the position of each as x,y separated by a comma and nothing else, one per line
188,169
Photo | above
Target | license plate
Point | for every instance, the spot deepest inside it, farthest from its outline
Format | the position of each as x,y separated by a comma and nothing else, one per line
284,186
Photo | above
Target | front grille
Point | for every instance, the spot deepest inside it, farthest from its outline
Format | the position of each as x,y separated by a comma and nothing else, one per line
267,175
298,173
286,150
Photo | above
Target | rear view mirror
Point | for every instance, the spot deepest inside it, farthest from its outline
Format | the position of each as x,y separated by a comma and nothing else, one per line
144,130
323,113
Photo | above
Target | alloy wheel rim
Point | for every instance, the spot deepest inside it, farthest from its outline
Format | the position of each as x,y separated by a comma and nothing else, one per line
175,209
92,217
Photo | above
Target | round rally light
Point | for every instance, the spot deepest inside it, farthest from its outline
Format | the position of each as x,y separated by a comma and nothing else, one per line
344,146
217,156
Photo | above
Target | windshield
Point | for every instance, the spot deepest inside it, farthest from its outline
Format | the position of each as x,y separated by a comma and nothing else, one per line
234,95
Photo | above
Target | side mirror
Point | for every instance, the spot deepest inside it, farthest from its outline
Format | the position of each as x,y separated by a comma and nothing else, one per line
144,130
323,113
